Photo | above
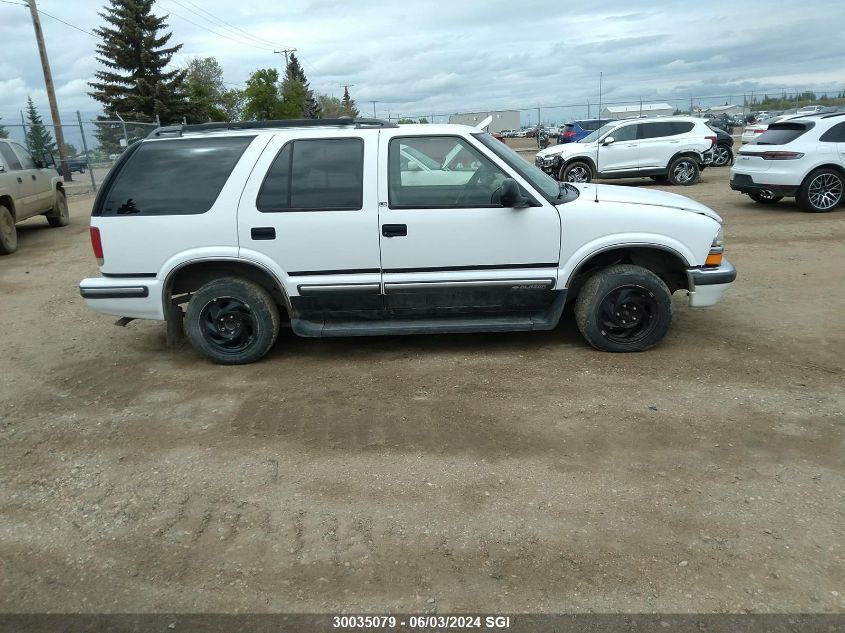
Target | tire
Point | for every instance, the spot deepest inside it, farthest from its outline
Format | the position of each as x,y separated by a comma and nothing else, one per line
822,191
232,321
576,171
765,197
660,178
59,216
614,299
722,156
683,171
8,233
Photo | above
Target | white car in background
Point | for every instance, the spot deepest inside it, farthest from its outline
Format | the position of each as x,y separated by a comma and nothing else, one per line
672,148
802,157
753,131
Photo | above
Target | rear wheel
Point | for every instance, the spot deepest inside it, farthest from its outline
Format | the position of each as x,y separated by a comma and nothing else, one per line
821,191
577,171
683,171
59,216
8,234
624,308
764,196
232,321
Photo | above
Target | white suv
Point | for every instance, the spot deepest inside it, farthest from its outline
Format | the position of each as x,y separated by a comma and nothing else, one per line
28,187
802,157
345,228
666,148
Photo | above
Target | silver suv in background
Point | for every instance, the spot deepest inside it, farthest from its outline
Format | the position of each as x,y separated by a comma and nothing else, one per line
28,187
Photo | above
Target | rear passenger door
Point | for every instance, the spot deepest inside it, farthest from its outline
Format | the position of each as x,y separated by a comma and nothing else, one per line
310,208
656,146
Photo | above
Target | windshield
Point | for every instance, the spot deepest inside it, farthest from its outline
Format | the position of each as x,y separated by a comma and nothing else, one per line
421,158
533,174
592,137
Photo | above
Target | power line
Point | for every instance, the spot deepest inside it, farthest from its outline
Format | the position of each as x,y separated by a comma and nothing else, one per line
218,34
22,4
230,27
73,26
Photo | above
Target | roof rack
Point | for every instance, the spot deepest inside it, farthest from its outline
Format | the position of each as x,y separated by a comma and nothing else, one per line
180,130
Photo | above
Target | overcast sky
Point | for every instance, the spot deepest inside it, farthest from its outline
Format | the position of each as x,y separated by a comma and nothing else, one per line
415,58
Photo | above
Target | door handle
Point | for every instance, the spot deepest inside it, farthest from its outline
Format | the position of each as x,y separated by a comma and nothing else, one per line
394,230
33,177
263,233
19,180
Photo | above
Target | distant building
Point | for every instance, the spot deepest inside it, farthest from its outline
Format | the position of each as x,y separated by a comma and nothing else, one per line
646,109
730,110
502,119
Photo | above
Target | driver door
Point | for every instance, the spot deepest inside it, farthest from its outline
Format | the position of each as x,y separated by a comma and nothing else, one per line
448,247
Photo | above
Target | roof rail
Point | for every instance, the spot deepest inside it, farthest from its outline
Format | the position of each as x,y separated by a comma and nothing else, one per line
180,130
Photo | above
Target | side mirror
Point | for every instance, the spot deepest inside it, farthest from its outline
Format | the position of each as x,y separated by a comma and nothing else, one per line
608,140
511,197
2,168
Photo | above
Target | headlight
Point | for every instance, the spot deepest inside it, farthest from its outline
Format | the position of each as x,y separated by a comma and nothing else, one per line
549,160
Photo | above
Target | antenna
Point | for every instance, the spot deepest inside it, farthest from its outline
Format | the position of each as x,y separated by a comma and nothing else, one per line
598,141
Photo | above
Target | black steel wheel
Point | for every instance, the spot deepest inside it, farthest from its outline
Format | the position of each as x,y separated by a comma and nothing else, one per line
624,308
232,321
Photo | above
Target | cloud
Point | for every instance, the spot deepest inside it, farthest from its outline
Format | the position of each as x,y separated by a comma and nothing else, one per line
415,59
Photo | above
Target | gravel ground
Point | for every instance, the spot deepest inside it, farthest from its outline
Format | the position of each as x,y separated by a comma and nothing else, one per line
502,472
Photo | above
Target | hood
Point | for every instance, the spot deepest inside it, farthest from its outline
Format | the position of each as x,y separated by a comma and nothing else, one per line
646,196
564,148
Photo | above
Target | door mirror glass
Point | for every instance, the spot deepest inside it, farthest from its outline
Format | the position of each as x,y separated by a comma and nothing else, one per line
608,141
511,196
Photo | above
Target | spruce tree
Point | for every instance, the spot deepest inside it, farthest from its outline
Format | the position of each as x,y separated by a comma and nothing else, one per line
39,140
294,72
136,81
348,104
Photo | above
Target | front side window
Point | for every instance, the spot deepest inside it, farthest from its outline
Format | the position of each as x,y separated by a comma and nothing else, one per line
9,157
23,155
440,172
315,175
174,177
625,133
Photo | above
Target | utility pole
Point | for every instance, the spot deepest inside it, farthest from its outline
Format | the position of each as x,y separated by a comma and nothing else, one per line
285,52
51,92
374,108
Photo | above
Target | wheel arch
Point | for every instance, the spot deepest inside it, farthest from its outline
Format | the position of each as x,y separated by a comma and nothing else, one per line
580,159
666,262
833,166
189,276
7,201
686,153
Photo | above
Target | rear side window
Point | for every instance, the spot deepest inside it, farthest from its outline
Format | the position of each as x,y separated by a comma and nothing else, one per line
591,126
782,133
660,129
9,157
836,134
174,177
315,175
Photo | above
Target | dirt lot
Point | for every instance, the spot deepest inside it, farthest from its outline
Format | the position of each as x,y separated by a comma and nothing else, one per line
521,472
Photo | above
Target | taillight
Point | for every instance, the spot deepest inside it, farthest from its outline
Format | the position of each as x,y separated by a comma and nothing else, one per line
774,155
97,244
568,134
712,140
760,131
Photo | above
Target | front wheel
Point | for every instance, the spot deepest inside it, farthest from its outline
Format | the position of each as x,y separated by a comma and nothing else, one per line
577,171
59,216
232,321
722,155
683,171
624,308
8,234
821,191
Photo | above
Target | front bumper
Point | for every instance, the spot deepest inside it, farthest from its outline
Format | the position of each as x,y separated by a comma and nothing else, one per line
138,298
707,285
744,183
551,168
